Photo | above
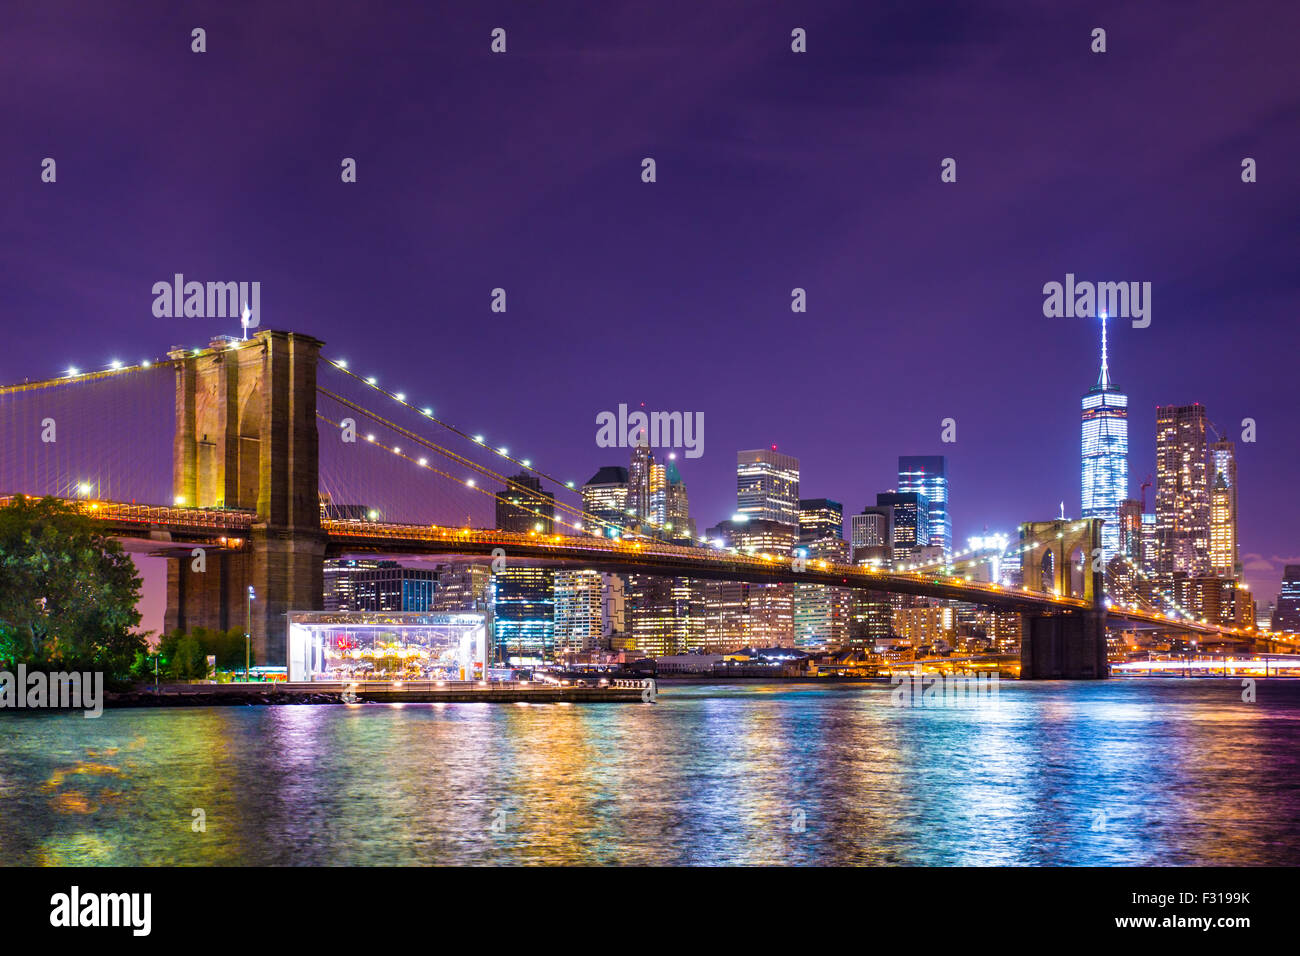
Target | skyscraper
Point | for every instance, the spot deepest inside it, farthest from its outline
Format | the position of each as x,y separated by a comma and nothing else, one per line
1149,542
744,613
677,520
872,536
1182,492
363,585
656,495
663,616
523,605
911,522
1286,613
1130,530
463,587
1105,454
1223,510
640,474
588,610
523,506
928,475
767,485
820,518
604,497
341,581
821,613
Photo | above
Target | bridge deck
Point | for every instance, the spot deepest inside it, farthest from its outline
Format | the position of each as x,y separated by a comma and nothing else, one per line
622,555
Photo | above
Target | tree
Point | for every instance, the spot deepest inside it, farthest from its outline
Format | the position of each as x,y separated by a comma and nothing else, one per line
184,656
68,593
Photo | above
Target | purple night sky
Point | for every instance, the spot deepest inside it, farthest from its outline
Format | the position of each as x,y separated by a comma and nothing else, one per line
775,170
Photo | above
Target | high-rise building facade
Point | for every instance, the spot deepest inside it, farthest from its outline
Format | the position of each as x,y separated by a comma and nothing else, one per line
1149,542
361,585
523,506
742,614
752,614
911,523
820,518
927,475
677,521
1105,454
640,480
1224,561
604,497
871,536
657,501
1182,492
872,618
767,485
925,624
588,610
463,587
1217,600
341,581
1130,530
523,608
821,613
1286,613
755,536
664,616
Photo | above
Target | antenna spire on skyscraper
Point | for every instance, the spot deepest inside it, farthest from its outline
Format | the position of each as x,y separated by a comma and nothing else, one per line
1104,379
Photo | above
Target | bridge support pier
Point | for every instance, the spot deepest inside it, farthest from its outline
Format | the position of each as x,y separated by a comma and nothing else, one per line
285,570
1063,646
210,598
288,574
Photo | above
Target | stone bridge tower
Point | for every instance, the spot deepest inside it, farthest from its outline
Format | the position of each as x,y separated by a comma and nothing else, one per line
246,438
1071,643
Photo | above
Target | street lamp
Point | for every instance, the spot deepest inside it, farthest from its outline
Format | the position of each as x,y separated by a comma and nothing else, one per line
248,634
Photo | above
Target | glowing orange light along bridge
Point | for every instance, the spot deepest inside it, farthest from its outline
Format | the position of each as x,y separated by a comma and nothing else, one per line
182,528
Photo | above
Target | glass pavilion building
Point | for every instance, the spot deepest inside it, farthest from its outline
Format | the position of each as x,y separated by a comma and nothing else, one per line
1105,454
388,646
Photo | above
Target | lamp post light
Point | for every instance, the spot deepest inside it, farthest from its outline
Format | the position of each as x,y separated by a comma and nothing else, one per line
248,634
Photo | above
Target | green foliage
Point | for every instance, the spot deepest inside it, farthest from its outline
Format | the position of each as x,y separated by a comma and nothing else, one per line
184,656
68,593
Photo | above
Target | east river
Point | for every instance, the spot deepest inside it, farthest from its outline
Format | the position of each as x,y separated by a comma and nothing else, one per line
1120,772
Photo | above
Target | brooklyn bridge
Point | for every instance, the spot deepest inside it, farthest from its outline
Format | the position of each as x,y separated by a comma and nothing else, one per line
232,449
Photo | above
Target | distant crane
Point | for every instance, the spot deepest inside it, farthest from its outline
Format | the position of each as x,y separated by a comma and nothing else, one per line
1145,485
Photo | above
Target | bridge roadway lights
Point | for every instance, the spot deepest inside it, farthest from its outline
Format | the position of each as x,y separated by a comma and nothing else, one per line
1070,646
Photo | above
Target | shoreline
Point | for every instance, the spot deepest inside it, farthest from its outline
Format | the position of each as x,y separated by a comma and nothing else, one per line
453,692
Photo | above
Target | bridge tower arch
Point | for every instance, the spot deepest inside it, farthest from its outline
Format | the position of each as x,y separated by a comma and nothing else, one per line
246,438
1070,643
1062,540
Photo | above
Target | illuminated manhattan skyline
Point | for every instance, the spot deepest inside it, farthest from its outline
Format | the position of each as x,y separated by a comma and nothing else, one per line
924,298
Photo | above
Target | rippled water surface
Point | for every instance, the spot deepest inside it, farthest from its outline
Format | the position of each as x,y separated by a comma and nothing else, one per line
1116,772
